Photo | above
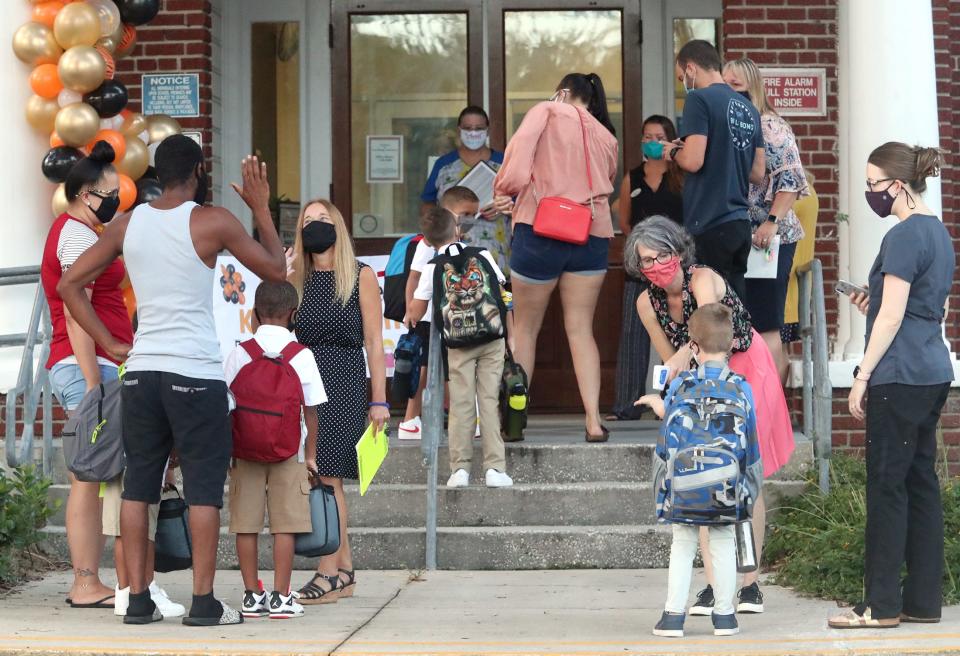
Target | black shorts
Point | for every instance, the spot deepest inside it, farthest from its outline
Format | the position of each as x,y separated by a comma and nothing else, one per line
725,249
164,411
422,330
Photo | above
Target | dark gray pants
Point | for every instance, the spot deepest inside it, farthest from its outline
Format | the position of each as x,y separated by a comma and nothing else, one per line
904,512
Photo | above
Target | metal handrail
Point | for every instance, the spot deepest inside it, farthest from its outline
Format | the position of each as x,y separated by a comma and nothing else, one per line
817,388
34,387
432,434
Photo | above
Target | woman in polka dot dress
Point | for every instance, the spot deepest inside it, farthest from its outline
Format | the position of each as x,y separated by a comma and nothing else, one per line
340,315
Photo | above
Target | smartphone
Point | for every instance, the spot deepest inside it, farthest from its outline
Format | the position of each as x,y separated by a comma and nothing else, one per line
845,288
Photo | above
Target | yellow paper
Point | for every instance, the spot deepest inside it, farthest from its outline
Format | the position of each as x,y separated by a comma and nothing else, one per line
371,452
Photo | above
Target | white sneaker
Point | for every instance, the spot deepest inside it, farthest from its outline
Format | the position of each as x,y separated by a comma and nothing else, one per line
121,600
167,607
255,604
498,479
284,607
410,430
459,478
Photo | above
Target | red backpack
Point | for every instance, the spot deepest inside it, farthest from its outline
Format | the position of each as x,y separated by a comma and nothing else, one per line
269,395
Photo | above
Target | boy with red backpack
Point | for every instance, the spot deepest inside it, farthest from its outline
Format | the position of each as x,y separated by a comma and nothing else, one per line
277,388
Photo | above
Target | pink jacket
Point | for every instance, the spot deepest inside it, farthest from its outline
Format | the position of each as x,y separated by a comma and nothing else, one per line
546,152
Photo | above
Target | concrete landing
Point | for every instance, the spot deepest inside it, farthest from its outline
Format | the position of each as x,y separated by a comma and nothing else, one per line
396,613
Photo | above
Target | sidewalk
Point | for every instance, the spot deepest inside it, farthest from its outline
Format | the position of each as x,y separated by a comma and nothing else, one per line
585,613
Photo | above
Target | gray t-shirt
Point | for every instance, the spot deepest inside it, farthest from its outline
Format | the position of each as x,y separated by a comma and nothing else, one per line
919,251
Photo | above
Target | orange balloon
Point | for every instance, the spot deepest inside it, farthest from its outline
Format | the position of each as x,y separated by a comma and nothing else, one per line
45,81
109,60
55,140
128,192
45,12
113,138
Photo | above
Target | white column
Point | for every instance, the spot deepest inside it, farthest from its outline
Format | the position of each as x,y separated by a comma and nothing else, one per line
889,91
27,194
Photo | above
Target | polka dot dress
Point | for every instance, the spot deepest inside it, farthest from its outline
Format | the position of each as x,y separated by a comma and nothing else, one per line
334,333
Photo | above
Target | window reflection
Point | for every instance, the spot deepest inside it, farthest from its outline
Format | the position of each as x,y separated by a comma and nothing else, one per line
408,77
684,30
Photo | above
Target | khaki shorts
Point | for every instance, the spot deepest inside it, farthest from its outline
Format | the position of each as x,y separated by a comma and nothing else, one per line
111,511
281,488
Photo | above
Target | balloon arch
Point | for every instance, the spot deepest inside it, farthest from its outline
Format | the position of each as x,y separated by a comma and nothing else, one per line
73,47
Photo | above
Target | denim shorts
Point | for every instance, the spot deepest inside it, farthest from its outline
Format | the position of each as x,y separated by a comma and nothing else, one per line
68,384
536,259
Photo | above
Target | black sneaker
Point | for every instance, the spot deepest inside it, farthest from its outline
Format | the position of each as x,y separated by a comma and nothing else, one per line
670,625
750,599
703,606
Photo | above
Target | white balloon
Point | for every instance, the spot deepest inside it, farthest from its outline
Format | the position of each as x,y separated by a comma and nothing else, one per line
68,97
116,122
109,15
152,153
106,124
144,137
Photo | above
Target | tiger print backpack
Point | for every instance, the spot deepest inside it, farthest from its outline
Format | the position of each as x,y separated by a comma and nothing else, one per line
467,304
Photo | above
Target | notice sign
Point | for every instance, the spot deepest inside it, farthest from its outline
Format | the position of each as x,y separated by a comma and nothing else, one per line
796,91
385,159
173,94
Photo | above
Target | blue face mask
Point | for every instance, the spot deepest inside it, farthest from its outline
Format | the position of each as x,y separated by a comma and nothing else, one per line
653,150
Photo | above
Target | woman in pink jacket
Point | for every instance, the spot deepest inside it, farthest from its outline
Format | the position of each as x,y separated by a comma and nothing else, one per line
546,158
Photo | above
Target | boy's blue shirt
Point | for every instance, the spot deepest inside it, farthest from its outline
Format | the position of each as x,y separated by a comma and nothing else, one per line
753,464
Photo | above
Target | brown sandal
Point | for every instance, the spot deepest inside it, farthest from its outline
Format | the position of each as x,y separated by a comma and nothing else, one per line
602,437
859,617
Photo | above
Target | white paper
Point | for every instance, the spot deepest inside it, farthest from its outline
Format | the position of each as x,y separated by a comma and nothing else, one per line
762,262
385,159
480,181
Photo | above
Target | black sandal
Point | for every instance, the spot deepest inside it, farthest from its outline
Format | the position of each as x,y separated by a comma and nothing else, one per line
312,594
602,437
346,589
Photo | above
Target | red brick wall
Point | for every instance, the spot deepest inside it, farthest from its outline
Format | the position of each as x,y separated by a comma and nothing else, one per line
178,40
798,33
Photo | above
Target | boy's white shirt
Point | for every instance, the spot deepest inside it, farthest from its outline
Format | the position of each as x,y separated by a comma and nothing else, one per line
273,339
421,259
424,291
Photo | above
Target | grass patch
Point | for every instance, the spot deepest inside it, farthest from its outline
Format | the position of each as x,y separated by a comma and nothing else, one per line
816,541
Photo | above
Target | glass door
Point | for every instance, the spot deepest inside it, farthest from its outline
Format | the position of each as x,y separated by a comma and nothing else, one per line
532,45
400,80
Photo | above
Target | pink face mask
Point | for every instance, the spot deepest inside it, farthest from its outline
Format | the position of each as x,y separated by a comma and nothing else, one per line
662,275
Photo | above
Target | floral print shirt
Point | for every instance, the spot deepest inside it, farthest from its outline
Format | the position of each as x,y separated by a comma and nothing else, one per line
784,173
678,334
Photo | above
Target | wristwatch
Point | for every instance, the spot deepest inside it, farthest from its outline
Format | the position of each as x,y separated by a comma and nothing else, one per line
772,218
674,151
860,375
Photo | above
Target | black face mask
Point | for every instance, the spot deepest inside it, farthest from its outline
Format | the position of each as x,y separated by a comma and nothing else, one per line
203,185
107,210
745,94
318,236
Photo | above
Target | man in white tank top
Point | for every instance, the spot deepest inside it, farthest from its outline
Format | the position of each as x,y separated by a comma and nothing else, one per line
174,395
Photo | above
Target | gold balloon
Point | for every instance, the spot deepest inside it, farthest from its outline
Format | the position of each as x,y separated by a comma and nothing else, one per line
34,44
133,125
161,126
77,24
77,124
82,68
136,159
60,203
42,113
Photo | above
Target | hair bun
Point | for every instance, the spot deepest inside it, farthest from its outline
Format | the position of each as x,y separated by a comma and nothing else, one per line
102,153
929,162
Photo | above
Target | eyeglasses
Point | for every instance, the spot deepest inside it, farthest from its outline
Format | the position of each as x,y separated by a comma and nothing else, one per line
102,195
873,183
647,262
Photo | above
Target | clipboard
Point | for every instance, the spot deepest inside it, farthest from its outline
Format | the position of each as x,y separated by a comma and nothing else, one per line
371,452
480,181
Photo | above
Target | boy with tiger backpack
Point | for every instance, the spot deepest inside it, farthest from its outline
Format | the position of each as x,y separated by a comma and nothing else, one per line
707,470
466,287
277,388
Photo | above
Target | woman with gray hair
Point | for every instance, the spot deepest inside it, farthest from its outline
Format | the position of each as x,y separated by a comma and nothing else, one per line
663,253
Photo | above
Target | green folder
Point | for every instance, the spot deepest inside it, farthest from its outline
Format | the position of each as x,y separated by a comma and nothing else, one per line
371,452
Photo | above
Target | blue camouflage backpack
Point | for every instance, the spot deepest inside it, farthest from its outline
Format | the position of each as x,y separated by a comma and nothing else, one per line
707,459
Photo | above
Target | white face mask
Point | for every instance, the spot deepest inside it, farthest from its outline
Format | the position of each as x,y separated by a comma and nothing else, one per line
473,139
693,83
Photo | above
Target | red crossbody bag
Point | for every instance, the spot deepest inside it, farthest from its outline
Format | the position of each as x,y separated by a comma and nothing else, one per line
564,219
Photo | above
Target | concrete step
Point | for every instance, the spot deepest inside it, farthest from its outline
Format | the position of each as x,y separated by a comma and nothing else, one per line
477,548
569,504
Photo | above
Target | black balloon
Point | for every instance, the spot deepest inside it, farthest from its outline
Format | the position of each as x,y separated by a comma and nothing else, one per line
137,12
148,189
108,99
58,162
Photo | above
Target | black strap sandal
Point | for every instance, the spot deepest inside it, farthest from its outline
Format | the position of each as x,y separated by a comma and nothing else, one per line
347,587
312,594
602,437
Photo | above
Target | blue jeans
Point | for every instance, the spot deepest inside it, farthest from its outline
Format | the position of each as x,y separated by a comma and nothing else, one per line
68,383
